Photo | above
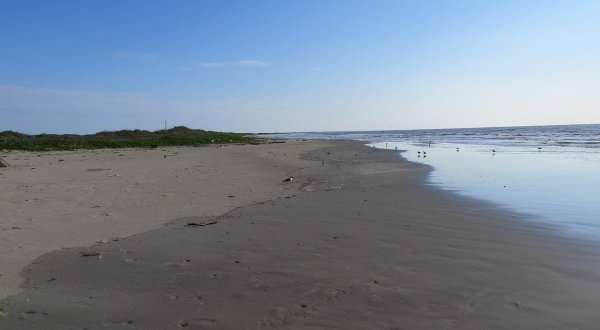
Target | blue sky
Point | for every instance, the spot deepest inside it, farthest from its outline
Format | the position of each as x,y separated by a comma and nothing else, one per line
305,65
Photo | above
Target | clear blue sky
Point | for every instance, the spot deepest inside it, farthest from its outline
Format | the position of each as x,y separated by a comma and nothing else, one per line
304,65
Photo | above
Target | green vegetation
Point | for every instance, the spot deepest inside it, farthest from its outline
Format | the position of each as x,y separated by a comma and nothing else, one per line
177,136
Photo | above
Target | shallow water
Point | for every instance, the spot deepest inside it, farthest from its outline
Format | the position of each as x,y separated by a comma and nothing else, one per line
562,185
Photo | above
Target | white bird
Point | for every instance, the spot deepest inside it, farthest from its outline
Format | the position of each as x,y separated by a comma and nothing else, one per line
289,179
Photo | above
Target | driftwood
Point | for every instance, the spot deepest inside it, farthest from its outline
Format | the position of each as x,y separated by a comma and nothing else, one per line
3,163
200,224
90,254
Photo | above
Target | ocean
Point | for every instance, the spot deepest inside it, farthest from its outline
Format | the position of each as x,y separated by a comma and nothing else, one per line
549,173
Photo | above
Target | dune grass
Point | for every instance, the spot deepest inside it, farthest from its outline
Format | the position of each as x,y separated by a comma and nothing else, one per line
177,136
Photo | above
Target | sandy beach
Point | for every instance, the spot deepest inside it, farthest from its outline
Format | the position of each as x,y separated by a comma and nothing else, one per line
211,238
57,200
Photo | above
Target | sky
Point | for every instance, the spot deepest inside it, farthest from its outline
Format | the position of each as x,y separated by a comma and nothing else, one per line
303,65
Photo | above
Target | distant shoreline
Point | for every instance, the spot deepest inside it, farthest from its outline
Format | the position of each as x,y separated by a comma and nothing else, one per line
177,136
558,136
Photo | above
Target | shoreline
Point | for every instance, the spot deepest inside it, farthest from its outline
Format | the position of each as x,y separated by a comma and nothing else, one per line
561,196
366,243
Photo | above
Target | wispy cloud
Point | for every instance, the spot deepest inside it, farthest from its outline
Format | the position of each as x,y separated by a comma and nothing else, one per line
248,63
137,57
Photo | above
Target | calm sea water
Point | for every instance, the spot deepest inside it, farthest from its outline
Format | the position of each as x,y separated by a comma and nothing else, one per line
550,172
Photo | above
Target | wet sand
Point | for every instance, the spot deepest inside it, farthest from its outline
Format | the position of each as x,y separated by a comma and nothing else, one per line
362,242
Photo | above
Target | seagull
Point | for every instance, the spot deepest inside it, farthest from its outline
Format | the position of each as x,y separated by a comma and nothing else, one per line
493,150
289,179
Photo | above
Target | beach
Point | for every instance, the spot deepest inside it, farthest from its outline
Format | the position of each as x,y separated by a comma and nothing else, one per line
56,200
211,238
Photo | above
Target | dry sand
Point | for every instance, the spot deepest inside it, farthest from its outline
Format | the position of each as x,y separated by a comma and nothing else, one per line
363,243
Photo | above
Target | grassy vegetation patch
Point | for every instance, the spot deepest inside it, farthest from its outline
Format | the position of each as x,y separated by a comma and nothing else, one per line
177,136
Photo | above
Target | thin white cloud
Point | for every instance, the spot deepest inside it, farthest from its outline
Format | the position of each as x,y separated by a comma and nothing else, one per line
248,63
137,57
